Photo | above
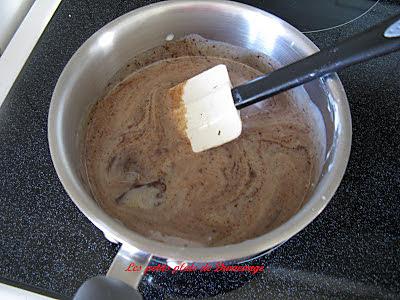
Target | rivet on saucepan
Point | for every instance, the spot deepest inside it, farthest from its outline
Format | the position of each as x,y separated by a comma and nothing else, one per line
170,37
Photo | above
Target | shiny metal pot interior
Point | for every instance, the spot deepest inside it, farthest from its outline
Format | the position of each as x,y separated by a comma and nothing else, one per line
87,74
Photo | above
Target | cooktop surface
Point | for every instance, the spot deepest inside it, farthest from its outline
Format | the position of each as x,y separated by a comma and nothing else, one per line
350,250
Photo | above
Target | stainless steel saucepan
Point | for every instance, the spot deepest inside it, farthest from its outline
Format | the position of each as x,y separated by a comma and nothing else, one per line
87,74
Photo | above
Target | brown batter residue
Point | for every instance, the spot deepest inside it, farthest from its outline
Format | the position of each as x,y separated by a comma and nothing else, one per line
144,173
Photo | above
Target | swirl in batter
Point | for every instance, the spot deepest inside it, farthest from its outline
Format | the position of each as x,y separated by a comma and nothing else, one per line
142,171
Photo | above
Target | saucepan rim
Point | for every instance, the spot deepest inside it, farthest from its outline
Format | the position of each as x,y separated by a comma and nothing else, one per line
323,192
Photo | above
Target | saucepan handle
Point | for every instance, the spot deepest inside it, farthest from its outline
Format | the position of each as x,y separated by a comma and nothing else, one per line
130,258
119,283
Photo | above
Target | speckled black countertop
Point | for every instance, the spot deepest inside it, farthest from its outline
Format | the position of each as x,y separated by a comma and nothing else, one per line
351,250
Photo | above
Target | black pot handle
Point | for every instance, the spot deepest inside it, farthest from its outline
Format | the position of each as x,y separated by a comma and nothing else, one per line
106,288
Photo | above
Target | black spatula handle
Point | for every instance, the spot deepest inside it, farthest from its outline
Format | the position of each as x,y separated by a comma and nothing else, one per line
379,40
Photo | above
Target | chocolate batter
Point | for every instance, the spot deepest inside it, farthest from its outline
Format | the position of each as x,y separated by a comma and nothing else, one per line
142,171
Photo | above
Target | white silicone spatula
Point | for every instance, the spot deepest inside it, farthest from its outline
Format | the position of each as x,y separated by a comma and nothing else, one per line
211,105
211,115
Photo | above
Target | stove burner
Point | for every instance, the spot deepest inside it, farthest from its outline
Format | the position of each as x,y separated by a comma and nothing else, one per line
314,16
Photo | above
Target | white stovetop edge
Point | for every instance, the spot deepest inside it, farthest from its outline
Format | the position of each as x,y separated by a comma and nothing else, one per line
11,63
12,293
23,41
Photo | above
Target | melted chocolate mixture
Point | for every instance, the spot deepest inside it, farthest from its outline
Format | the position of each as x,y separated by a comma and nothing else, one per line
143,172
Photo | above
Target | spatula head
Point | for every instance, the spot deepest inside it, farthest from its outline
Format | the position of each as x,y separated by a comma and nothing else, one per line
211,116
